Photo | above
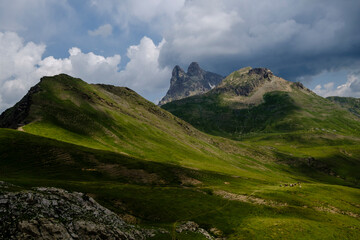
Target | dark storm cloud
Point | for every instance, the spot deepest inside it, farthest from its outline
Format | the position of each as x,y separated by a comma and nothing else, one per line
293,38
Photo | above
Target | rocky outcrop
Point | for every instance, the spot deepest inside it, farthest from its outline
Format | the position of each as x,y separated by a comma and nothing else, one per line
195,81
15,117
190,226
242,84
51,213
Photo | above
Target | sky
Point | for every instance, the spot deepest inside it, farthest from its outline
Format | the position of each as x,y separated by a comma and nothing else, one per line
136,43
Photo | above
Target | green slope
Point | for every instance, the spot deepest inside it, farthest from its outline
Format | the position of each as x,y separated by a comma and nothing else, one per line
140,160
254,100
115,119
350,103
260,109
164,195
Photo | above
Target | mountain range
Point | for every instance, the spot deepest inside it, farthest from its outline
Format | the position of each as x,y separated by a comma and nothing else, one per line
255,100
249,156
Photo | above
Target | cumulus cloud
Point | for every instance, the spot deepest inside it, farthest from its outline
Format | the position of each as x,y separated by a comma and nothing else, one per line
18,65
143,72
22,66
349,89
104,31
293,38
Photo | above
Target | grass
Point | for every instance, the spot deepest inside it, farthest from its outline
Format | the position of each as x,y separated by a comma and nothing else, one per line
137,159
168,202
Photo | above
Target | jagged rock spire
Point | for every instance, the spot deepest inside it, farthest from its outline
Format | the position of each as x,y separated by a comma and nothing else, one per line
194,81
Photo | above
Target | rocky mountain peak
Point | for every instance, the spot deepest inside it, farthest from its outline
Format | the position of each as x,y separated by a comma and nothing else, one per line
194,69
263,72
177,71
245,81
194,81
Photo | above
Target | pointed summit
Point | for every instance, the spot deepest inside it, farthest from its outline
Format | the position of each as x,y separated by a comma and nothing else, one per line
177,71
195,81
194,69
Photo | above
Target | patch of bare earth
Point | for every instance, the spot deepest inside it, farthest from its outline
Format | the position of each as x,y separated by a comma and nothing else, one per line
136,175
61,155
185,180
334,210
248,199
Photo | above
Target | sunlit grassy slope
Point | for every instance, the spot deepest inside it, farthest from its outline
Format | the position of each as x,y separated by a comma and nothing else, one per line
117,119
140,160
163,195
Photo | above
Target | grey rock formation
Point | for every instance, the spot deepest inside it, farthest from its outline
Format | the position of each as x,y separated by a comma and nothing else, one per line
195,81
15,117
51,213
244,85
193,227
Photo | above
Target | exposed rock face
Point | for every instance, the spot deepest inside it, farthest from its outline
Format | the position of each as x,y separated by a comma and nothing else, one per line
51,213
244,81
14,117
195,81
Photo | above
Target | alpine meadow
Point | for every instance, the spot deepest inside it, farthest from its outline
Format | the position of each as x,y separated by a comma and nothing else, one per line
95,147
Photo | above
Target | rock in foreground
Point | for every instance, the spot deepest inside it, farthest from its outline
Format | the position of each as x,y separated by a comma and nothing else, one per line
51,213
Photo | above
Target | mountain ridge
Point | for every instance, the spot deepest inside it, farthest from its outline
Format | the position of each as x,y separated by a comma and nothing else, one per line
194,81
253,100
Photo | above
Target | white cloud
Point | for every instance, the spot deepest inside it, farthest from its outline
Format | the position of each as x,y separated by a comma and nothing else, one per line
104,31
143,73
18,65
349,89
22,66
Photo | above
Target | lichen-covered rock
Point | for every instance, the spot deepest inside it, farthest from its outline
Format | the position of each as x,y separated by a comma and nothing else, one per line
51,213
193,227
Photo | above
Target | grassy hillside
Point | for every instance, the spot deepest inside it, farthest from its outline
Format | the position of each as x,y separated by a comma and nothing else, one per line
116,119
260,109
164,195
260,102
157,170
350,103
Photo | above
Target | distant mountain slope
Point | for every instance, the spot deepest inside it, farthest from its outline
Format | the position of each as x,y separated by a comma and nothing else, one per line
195,81
350,103
255,100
